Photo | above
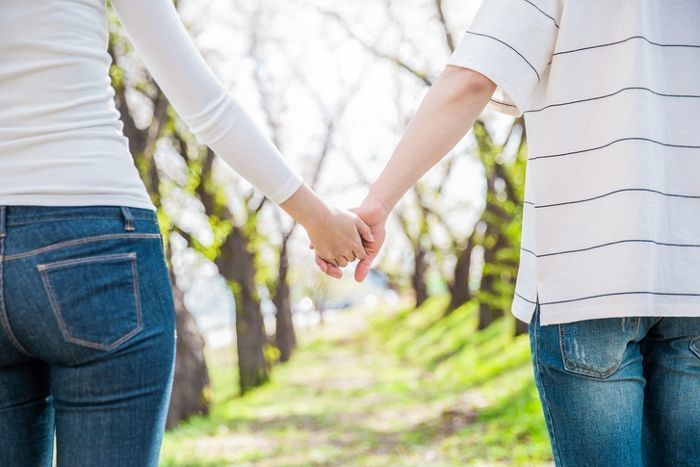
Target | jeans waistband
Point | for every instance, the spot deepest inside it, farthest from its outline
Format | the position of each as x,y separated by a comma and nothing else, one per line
24,214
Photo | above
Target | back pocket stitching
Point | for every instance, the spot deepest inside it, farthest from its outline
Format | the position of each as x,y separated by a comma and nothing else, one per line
695,346
51,293
572,367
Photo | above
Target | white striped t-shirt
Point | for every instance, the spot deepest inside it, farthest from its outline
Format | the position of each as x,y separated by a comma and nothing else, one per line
610,93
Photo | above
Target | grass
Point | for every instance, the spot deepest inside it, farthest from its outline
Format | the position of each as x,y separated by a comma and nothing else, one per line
401,388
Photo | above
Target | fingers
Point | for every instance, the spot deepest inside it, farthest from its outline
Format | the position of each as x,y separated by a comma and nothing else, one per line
342,243
328,269
364,230
322,265
358,252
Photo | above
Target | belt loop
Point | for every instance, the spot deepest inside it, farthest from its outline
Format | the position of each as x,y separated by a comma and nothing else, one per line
3,210
128,218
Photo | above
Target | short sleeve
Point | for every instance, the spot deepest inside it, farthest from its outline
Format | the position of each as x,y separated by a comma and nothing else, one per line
511,42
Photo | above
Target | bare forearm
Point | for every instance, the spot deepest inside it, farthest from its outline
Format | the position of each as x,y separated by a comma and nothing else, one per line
446,114
305,207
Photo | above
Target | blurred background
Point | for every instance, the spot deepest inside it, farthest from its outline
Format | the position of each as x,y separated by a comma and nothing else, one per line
279,365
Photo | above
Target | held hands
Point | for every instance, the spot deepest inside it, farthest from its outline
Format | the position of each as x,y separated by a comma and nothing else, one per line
374,213
336,235
338,240
340,237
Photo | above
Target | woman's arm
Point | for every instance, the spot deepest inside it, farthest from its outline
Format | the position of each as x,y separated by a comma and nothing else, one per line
448,111
155,29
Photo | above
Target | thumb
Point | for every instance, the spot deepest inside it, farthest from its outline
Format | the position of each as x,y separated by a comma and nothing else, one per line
363,267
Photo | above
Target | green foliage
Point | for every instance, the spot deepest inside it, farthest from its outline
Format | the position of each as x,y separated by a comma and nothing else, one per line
116,73
271,353
502,215
490,362
390,395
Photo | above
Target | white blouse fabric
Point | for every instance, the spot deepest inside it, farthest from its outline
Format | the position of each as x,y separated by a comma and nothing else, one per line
61,140
610,96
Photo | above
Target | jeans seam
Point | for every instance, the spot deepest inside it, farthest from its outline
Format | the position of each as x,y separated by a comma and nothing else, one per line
51,293
548,414
4,319
80,241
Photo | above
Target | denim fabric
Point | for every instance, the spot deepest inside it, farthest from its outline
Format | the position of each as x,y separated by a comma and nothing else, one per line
620,391
87,336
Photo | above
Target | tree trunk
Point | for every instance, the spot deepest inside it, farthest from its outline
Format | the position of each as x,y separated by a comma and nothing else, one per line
460,293
285,337
418,279
190,393
487,312
520,327
237,265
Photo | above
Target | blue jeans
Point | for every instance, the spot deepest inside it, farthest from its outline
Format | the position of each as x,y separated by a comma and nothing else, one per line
620,391
87,336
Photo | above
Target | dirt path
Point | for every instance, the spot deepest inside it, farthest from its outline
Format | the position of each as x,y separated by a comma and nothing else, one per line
341,401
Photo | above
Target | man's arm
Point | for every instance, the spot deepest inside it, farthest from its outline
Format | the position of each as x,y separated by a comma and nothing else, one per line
446,114
448,111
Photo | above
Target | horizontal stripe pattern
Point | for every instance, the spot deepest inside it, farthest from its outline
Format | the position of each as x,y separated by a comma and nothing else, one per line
622,41
589,297
621,190
628,216
624,267
618,242
619,140
611,217
532,67
612,94
595,132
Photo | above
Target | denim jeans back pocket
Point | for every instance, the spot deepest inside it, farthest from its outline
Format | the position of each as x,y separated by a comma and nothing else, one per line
95,299
596,347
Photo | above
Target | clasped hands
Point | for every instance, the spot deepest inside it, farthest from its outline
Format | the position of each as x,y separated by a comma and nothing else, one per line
346,236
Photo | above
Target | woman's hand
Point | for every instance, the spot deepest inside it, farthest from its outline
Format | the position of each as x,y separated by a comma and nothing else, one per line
336,235
338,240
374,213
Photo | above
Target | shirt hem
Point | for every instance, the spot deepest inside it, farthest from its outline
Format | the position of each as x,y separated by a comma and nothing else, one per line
618,311
522,310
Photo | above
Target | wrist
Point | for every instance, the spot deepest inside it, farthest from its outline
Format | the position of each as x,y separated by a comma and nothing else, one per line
379,202
305,207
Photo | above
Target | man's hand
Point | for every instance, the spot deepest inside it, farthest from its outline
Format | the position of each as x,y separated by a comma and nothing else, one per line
374,213
337,235
338,238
